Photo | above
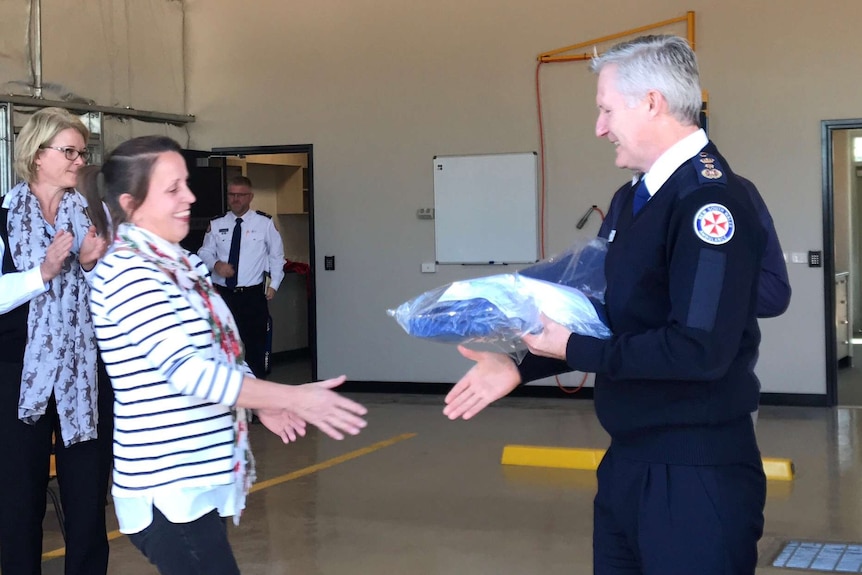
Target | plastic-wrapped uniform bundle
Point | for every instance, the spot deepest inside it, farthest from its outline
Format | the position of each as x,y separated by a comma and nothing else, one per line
582,267
500,309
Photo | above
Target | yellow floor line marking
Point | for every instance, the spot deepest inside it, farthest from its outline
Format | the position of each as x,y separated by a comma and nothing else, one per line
776,469
330,462
281,479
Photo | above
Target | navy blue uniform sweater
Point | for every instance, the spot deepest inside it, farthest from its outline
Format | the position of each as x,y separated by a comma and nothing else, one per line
675,383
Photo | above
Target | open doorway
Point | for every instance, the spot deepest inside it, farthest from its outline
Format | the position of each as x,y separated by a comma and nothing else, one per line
282,181
842,223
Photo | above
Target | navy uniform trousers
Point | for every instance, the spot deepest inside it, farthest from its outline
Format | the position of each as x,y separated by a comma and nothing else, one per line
250,312
659,519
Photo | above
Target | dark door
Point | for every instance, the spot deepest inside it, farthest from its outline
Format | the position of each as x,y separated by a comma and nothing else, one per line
207,182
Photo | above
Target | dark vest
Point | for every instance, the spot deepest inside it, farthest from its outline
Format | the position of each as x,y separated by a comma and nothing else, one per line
13,324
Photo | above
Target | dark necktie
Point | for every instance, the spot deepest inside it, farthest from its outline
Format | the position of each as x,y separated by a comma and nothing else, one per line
641,197
233,256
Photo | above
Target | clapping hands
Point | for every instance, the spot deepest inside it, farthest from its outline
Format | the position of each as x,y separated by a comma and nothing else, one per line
93,247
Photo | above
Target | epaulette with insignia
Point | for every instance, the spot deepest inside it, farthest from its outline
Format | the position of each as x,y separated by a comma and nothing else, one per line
708,168
264,214
210,223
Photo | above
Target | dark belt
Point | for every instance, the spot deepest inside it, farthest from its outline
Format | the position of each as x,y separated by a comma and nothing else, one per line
241,289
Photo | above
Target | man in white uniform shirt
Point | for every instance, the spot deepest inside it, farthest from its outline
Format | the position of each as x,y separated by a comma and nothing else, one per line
239,248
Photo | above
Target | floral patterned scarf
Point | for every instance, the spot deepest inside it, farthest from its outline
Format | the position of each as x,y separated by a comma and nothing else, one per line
60,357
200,294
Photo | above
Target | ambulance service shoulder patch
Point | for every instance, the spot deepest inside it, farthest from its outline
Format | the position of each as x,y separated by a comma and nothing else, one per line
713,223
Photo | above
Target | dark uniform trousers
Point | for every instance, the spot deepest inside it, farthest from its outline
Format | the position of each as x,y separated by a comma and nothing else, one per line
249,309
83,471
659,519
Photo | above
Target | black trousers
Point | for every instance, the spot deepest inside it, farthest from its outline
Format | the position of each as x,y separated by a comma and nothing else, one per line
249,309
199,547
83,471
659,519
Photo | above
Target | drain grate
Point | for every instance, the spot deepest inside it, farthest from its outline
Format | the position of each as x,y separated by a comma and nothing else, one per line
814,556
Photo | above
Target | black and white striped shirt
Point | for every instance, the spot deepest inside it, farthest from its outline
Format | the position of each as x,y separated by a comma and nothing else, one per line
173,423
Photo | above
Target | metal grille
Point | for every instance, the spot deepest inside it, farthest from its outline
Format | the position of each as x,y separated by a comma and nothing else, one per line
826,557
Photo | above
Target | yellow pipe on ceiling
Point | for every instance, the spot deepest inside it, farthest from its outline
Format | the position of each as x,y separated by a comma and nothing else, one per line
559,55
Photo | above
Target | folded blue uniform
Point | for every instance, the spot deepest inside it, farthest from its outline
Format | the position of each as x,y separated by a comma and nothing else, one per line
582,268
501,309
459,321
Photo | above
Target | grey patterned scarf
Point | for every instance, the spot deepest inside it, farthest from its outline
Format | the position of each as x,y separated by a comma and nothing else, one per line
60,356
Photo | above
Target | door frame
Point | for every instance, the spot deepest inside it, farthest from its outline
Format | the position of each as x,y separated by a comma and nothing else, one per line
312,301
827,128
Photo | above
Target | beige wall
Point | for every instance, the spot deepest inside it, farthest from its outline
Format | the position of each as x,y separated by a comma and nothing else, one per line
381,86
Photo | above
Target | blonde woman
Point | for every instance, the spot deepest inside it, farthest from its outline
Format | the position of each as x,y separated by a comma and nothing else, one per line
48,359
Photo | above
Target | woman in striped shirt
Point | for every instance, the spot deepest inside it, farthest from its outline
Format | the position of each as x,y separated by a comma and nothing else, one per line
171,348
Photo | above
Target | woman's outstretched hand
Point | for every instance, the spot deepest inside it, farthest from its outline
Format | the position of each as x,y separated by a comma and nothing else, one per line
332,413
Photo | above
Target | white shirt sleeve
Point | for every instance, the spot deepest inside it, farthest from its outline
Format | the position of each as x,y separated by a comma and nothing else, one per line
19,287
208,252
275,254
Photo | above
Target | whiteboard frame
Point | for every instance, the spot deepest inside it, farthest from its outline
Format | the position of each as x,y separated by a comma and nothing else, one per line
486,208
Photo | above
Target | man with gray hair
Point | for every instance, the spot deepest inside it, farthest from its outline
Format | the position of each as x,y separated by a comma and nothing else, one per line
681,489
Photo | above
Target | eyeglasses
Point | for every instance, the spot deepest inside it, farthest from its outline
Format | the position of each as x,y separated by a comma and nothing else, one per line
240,195
69,152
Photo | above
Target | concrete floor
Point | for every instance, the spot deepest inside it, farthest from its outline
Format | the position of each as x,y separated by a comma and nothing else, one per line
439,502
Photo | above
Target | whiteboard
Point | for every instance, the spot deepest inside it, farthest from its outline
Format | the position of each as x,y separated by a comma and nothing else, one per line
486,208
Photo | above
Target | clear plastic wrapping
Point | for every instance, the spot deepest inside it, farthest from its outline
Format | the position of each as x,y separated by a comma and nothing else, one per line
500,309
581,267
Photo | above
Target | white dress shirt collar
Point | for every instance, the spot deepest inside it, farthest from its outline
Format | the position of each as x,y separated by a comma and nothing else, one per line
245,217
673,158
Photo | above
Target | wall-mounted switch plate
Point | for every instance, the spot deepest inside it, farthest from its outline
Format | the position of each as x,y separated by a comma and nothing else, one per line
798,258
